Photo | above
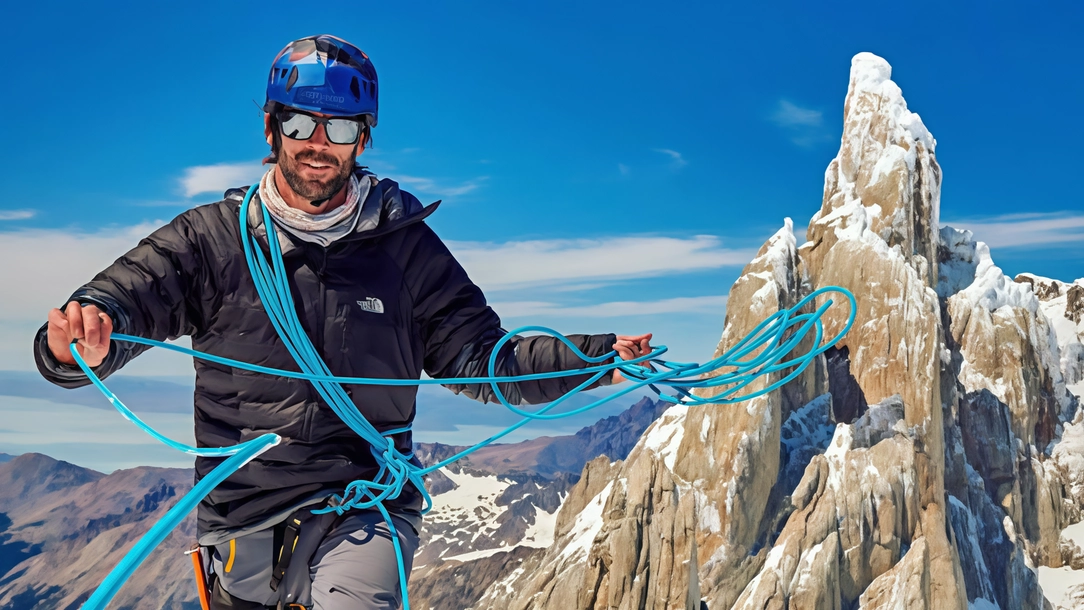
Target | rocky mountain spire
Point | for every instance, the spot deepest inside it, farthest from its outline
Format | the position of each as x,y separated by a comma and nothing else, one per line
921,463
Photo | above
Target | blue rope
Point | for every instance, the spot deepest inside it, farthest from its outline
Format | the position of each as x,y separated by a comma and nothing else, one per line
775,338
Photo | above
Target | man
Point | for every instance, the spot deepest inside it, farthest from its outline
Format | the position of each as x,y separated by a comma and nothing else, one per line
377,293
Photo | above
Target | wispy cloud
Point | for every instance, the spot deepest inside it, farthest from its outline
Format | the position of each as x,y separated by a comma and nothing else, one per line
16,214
704,304
68,261
63,260
580,265
386,166
222,176
219,177
805,125
800,234
566,271
429,186
1038,230
164,203
676,160
496,266
624,169
792,115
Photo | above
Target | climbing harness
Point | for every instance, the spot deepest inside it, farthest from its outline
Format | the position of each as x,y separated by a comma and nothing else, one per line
776,337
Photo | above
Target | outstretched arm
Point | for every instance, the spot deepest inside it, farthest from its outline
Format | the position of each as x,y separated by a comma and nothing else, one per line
459,331
147,292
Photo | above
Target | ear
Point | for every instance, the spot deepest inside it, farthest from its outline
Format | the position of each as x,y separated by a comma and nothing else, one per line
267,129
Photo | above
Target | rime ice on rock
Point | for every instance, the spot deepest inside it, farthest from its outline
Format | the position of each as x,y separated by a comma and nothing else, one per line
945,492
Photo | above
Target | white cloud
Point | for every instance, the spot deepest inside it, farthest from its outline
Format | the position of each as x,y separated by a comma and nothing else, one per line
220,177
1026,230
72,258
624,169
800,234
61,262
430,186
16,214
704,304
805,125
676,159
496,266
792,115
163,203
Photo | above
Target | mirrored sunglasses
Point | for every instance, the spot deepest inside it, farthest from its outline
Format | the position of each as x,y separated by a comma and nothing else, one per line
300,126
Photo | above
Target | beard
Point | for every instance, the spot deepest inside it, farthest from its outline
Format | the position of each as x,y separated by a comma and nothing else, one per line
314,190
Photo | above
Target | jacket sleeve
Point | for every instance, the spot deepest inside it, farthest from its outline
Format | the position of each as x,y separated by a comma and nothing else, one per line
148,292
459,331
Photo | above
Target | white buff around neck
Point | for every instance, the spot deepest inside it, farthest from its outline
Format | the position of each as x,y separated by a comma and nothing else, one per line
317,228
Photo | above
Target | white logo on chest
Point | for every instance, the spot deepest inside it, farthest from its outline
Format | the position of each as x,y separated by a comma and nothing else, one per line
372,305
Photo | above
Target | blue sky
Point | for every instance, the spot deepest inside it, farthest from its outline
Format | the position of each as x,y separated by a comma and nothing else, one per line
605,167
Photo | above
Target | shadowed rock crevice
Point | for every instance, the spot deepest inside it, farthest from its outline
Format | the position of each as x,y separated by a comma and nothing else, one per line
12,552
1074,303
848,399
987,431
30,598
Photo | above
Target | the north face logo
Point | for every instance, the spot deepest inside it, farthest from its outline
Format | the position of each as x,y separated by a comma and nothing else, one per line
372,305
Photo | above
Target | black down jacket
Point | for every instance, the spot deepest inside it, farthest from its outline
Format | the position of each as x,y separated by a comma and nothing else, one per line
389,300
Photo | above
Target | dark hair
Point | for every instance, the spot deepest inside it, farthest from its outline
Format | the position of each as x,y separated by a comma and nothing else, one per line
273,109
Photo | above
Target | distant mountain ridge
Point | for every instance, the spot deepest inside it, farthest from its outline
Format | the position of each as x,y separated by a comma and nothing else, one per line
63,527
548,456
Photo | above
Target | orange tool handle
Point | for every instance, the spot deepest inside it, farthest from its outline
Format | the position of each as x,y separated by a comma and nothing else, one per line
201,580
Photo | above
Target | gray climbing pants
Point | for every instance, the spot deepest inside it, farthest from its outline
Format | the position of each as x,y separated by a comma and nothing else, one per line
355,568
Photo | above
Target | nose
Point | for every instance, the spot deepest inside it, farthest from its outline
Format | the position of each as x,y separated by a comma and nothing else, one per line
319,138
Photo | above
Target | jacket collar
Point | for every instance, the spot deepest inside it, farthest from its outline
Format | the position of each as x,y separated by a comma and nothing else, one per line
386,209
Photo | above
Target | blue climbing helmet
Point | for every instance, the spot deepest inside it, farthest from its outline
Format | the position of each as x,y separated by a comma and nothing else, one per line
323,74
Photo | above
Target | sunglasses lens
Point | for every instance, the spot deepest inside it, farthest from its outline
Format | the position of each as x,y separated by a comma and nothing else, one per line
342,131
297,126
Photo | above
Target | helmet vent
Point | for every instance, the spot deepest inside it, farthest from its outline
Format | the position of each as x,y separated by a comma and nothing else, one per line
354,88
293,78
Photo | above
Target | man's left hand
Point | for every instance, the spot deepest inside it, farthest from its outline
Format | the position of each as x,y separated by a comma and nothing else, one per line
629,348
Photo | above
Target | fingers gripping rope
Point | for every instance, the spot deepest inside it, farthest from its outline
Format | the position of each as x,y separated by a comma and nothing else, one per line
766,350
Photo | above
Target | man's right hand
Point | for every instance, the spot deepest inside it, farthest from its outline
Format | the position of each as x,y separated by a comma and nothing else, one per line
90,326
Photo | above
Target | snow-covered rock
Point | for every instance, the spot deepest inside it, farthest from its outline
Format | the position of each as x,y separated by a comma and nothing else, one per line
930,459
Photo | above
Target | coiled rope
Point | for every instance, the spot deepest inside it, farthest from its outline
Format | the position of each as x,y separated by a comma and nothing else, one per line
775,338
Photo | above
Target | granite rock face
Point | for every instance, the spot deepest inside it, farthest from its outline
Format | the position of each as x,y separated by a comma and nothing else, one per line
927,461
497,508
